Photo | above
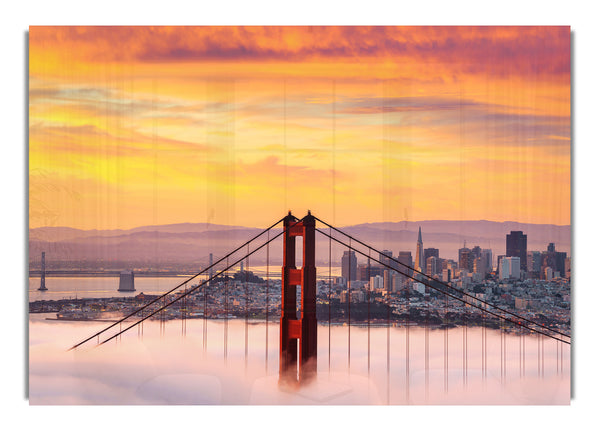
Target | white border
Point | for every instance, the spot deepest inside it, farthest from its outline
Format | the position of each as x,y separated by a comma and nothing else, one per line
19,16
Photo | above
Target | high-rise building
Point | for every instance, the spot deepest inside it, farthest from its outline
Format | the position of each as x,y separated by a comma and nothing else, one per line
553,259
561,257
365,271
515,267
428,252
376,282
349,264
479,266
510,267
419,257
534,263
446,275
465,259
405,258
434,266
397,282
386,258
387,279
486,255
516,246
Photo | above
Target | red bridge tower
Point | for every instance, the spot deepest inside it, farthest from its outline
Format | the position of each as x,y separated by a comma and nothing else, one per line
298,336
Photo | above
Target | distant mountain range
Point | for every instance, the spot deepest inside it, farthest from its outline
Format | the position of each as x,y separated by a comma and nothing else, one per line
191,243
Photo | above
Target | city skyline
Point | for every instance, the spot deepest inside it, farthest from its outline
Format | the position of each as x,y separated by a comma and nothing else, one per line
380,297
259,120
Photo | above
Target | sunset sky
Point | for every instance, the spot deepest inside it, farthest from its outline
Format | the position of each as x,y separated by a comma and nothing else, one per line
132,126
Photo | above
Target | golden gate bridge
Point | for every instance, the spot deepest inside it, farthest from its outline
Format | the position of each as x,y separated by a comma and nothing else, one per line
298,321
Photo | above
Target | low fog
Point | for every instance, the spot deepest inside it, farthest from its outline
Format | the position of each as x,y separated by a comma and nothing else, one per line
170,368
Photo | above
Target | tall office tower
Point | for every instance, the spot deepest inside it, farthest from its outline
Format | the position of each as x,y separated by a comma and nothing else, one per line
516,245
376,282
434,266
554,259
465,259
365,272
486,255
405,257
349,265
510,267
451,265
446,275
419,257
561,258
43,277
534,262
384,258
387,279
479,266
498,260
397,282
428,252
515,267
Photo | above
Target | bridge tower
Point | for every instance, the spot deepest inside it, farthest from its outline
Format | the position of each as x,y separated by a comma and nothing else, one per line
298,335
43,277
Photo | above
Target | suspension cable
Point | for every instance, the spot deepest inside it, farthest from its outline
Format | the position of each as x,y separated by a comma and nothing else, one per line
191,290
178,286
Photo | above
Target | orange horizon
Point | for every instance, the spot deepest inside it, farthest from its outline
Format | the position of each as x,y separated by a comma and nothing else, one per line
134,126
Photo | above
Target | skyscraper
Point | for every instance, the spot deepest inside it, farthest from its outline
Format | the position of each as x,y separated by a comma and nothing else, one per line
486,255
465,259
434,265
510,268
516,245
479,266
553,259
534,263
366,271
428,252
384,258
405,257
349,265
419,256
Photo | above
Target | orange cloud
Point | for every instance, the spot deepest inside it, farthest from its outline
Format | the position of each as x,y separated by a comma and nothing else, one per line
361,122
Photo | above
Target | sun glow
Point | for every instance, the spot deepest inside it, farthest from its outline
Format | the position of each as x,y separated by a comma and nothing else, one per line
136,125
